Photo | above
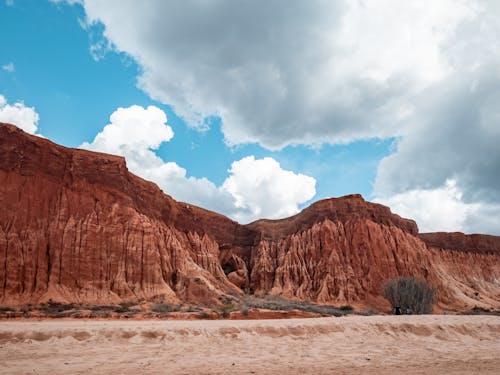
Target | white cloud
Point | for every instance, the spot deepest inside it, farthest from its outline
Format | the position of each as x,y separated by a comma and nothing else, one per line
458,141
254,188
18,114
133,129
264,190
454,135
443,209
308,72
9,67
312,72
70,2
439,209
9,3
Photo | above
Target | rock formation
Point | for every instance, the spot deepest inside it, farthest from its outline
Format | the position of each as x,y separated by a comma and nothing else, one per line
76,226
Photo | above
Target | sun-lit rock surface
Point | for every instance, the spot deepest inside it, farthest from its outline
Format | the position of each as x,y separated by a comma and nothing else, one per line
76,226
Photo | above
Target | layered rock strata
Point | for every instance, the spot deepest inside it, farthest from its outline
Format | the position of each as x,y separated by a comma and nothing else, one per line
76,226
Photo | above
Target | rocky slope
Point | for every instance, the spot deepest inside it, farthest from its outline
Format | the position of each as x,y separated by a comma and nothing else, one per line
76,226
468,268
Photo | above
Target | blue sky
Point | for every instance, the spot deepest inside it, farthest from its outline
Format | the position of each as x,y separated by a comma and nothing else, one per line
311,116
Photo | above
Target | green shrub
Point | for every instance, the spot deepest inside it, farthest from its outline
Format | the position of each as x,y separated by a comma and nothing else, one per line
346,308
120,309
244,310
161,308
226,310
279,303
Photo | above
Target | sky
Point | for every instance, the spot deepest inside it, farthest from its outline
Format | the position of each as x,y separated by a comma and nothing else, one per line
256,109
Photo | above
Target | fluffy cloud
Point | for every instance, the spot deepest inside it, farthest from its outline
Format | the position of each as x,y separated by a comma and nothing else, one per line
254,188
308,72
439,209
458,138
133,129
454,136
444,209
314,72
9,67
135,132
262,189
18,114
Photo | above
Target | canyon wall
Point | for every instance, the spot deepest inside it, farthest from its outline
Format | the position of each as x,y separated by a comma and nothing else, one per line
76,226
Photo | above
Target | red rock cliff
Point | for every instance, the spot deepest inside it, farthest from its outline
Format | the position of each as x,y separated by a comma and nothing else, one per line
77,226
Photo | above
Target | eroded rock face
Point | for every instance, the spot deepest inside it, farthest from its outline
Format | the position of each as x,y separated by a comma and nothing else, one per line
76,226
475,243
337,261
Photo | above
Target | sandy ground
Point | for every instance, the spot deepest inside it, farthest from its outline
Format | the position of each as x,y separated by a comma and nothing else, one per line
350,345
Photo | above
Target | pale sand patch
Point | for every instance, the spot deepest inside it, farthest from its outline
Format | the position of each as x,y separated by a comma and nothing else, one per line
350,345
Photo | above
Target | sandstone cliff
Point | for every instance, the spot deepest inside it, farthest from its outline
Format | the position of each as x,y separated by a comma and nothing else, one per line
76,226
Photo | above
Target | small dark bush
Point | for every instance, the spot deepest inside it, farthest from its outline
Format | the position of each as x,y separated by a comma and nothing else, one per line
26,311
203,315
127,304
279,303
52,308
192,309
161,308
102,308
244,311
100,314
120,309
61,314
346,308
226,310
410,293
481,311
133,311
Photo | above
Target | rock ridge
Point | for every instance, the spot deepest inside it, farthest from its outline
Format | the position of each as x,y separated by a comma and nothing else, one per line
457,241
77,226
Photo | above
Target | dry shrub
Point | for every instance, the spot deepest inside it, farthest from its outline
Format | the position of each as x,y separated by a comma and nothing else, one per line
410,293
164,308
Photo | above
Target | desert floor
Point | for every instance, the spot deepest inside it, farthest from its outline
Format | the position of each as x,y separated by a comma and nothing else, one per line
428,345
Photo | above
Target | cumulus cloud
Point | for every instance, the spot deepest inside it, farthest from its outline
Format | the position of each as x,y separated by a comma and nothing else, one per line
254,189
263,189
135,132
439,209
18,114
133,129
312,72
458,139
455,135
9,67
444,209
308,72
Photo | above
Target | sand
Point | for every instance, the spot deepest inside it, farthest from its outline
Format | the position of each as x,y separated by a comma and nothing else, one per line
349,345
